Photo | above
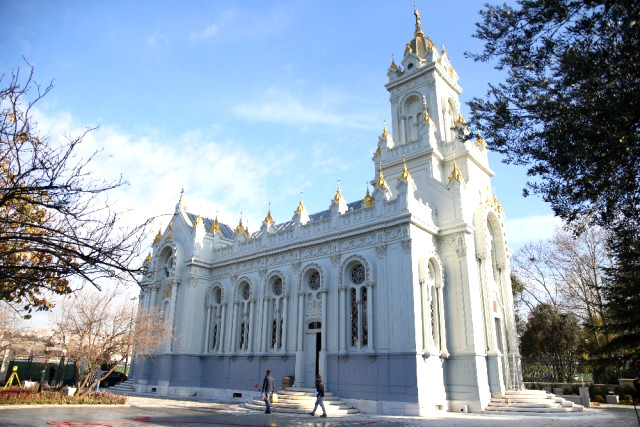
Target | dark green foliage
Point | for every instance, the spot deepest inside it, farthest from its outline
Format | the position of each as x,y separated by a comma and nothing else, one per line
570,105
623,292
552,338
569,109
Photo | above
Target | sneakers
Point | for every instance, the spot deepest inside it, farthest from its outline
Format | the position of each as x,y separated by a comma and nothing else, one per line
323,415
312,414
267,412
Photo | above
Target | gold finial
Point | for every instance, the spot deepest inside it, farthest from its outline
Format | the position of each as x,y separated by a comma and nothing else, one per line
368,200
408,48
170,236
480,141
181,195
338,197
460,120
496,202
455,173
268,220
385,132
215,227
393,65
300,209
444,51
419,31
198,220
246,231
148,258
378,152
240,228
405,175
425,116
381,183
158,236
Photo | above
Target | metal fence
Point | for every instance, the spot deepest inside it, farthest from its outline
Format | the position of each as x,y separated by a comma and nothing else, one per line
54,372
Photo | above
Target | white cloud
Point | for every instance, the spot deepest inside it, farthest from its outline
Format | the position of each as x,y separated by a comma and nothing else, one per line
281,106
209,32
218,176
521,231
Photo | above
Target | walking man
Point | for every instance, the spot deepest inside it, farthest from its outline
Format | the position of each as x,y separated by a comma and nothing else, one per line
319,397
268,386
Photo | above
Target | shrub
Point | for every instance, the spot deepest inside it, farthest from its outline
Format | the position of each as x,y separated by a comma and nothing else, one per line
598,398
626,398
54,396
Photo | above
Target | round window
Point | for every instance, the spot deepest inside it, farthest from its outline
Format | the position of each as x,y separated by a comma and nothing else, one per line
277,286
314,281
357,274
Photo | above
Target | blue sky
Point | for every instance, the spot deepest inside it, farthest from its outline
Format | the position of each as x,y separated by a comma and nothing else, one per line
240,103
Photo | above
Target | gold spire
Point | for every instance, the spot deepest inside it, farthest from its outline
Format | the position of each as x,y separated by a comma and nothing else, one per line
170,236
444,51
368,200
378,152
198,221
148,258
215,227
393,65
455,173
385,132
419,32
338,197
246,231
460,120
381,183
240,228
480,141
300,209
425,116
405,175
268,220
496,202
158,237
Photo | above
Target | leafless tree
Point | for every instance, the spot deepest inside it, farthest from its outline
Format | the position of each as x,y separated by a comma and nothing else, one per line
103,328
57,224
567,273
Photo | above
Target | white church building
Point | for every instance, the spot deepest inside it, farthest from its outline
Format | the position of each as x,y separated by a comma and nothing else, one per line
401,301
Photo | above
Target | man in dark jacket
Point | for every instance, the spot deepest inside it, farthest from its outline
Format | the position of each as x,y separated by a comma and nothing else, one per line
268,385
319,397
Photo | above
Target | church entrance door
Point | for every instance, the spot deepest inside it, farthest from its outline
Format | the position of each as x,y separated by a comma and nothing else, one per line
312,345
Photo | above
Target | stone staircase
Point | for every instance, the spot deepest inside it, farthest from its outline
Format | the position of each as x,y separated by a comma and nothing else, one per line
301,401
536,401
125,387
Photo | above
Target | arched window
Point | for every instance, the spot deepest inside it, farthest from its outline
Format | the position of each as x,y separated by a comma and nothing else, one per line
277,314
491,249
243,316
358,306
433,331
216,316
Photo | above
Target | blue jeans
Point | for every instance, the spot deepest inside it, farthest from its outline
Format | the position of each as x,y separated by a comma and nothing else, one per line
267,395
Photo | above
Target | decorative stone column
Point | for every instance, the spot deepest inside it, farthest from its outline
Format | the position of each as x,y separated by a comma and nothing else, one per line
221,332
370,326
285,323
300,368
265,321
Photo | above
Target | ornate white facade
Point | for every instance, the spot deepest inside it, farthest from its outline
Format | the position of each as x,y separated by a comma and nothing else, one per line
401,301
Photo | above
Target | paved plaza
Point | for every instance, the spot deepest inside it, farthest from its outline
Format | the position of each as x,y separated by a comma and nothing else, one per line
155,411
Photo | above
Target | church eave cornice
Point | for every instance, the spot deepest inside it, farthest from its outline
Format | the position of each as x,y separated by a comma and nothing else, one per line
383,223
